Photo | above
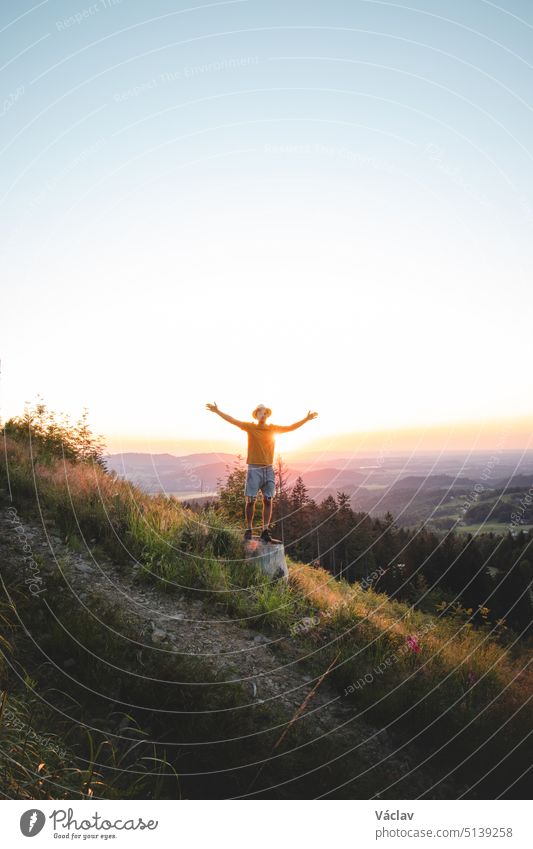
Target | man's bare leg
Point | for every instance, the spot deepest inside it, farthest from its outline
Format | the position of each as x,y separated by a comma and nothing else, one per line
249,511
267,512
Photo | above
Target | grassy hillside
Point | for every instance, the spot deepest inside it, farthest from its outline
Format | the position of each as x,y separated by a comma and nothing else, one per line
463,692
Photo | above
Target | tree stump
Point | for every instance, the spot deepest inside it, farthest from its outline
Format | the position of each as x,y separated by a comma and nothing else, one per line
269,557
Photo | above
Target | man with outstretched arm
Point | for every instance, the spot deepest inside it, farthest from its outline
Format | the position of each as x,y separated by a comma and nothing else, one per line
260,474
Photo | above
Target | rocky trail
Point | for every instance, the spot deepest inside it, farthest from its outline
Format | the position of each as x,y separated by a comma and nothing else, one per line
269,668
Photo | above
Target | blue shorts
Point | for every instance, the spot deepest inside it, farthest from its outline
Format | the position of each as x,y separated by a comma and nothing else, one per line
260,478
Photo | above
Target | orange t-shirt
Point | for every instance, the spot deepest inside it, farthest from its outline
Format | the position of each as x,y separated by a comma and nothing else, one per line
261,443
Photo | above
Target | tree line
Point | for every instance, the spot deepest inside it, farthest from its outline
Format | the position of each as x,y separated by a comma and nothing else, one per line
486,574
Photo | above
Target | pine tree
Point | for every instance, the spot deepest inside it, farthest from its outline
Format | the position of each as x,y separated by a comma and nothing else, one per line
299,494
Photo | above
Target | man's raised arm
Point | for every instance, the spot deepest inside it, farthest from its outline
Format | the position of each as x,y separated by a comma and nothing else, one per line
287,428
214,409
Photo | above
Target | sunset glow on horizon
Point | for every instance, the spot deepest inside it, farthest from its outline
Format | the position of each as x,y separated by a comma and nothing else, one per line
501,435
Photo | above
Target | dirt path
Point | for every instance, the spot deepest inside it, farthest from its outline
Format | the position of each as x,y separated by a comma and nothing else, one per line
268,668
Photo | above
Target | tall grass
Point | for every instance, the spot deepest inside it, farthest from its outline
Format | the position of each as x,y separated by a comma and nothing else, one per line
43,755
395,664
172,545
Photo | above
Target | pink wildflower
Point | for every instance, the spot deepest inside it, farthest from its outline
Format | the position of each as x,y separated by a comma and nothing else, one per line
413,644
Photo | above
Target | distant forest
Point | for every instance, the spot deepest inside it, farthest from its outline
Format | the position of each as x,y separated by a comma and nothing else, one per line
487,577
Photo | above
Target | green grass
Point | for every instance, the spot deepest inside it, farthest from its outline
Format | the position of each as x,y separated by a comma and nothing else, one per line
360,630
141,727
501,528
44,755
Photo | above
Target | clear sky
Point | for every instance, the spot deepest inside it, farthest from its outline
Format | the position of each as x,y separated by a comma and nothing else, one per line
322,205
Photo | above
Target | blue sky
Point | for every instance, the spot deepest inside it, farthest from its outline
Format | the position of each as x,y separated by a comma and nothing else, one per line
322,204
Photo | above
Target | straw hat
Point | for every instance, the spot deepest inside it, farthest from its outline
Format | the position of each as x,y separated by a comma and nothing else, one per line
268,411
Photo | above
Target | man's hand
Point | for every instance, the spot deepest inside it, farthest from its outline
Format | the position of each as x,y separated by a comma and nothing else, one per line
212,408
311,416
